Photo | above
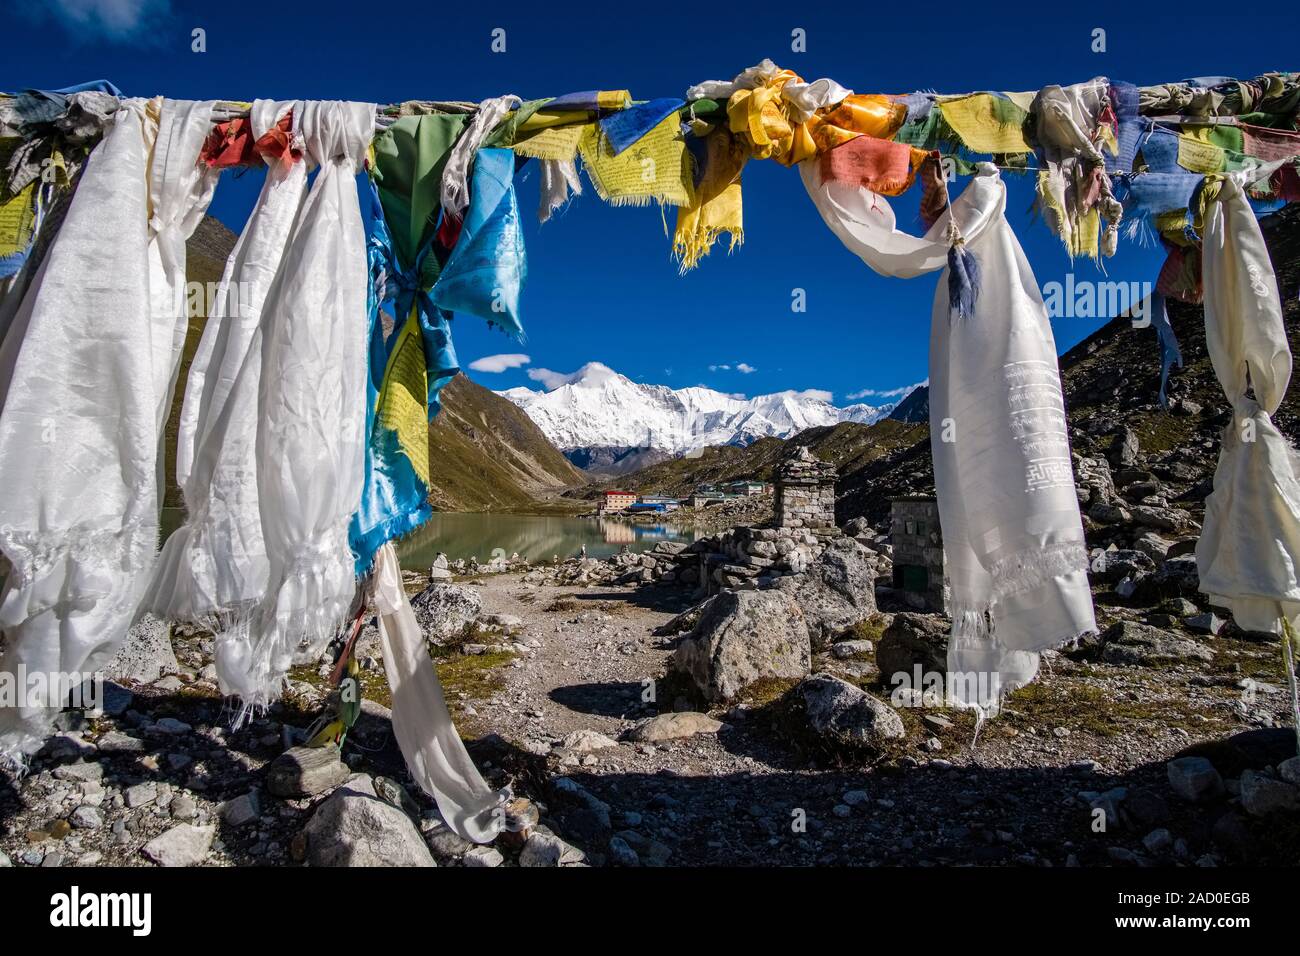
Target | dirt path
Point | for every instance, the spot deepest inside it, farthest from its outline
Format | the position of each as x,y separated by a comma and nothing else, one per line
750,794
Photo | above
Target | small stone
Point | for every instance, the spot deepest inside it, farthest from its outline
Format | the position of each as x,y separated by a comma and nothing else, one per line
183,807
86,818
1289,770
842,810
170,725
1194,778
1262,796
673,726
846,649
141,794
182,845
1207,623
116,742
544,848
855,798
621,854
483,856
585,741
79,772
1157,841
241,810
306,772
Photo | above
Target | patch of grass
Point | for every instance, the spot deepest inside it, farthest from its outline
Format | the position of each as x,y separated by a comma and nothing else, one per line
1084,708
766,690
478,676
870,629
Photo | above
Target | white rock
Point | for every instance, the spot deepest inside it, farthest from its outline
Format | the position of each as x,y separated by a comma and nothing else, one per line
182,845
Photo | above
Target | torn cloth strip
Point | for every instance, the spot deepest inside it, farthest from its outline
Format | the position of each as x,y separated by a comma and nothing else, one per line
716,207
434,752
1249,550
657,169
986,122
85,407
1124,104
1170,353
1013,538
407,368
592,101
456,170
311,408
485,273
395,491
882,166
213,569
625,127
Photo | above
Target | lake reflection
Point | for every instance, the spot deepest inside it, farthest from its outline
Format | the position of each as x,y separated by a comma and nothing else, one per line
535,537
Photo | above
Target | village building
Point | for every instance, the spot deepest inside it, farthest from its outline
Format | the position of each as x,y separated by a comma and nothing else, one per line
661,502
747,488
617,501
918,552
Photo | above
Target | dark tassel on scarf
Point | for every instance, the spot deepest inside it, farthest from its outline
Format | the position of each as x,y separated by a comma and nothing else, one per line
963,281
934,190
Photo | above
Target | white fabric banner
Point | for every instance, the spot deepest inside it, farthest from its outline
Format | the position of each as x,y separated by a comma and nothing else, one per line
434,752
1249,549
213,570
1013,539
80,434
311,409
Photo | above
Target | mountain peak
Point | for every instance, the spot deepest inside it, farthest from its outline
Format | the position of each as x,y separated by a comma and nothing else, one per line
596,407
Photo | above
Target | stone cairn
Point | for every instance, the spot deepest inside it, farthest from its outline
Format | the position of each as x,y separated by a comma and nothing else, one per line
805,492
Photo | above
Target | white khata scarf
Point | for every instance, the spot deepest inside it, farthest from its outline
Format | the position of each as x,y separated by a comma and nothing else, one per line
454,188
1249,550
434,752
213,570
311,413
1013,538
100,328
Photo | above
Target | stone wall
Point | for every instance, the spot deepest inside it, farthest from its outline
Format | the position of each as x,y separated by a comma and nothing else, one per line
918,553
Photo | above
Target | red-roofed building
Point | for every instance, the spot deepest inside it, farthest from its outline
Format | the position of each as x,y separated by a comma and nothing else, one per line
617,500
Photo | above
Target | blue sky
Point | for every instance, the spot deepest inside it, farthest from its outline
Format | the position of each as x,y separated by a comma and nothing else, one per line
602,285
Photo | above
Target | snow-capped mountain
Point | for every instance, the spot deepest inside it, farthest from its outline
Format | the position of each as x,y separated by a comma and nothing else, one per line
597,409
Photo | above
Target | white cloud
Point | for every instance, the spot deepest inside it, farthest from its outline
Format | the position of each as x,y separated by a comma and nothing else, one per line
550,380
812,394
114,19
743,367
499,363
885,393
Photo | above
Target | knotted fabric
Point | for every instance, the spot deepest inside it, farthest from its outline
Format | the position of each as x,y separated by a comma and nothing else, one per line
311,409
434,753
1249,549
213,569
1013,538
100,327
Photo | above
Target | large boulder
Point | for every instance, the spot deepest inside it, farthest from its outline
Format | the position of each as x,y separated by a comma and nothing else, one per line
354,827
743,637
845,715
1129,643
444,611
836,592
145,655
911,641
